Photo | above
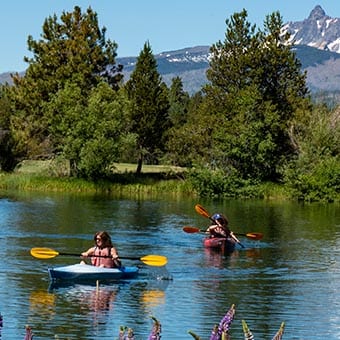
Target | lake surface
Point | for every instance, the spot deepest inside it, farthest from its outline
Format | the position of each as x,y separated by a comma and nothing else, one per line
291,276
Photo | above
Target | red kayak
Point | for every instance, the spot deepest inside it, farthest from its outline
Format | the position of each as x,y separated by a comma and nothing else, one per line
226,245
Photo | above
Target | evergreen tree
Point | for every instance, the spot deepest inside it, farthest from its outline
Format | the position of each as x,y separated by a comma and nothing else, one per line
150,105
256,89
179,101
8,159
75,51
178,114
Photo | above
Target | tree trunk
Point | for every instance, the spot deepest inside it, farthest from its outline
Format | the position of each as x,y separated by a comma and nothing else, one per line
73,168
139,165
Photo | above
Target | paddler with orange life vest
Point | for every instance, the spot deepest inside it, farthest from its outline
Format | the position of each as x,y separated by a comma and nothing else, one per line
103,254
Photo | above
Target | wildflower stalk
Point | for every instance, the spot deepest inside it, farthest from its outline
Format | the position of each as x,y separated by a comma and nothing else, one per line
195,336
156,330
222,331
29,333
279,334
248,335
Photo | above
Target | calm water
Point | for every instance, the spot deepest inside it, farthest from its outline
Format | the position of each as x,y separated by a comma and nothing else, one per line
292,275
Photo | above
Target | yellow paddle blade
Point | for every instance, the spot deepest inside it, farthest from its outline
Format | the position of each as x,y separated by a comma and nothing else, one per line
154,260
44,253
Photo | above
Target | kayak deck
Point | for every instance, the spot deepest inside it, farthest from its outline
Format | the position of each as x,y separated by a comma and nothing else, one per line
226,245
87,272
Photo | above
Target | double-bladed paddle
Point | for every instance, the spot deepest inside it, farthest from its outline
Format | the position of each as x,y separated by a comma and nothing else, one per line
252,235
203,212
150,260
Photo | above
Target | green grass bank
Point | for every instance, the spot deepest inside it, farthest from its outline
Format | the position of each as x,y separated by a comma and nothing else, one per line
154,180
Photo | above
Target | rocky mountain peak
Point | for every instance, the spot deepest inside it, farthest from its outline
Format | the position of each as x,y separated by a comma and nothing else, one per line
317,13
318,30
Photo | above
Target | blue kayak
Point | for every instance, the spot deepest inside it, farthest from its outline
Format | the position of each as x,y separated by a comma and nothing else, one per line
85,272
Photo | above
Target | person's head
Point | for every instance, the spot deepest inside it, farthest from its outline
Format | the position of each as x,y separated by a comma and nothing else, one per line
102,239
221,219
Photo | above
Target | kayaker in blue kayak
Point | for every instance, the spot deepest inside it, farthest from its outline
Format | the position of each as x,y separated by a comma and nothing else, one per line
220,227
103,253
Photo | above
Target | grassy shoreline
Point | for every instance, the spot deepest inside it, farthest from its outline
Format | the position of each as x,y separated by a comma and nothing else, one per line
154,180
145,187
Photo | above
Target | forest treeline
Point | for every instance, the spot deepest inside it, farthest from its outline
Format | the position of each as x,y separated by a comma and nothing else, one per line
254,122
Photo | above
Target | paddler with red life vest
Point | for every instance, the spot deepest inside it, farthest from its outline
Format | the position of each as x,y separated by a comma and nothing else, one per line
220,227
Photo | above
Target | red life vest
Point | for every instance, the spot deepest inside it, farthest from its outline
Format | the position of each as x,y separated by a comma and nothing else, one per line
217,231
102,261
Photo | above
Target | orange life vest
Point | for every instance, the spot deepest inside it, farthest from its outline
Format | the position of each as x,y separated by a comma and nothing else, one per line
102,261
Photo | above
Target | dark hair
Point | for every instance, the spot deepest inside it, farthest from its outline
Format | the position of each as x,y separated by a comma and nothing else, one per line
106,238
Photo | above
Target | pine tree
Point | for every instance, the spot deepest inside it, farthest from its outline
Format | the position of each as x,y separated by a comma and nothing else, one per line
256,88
73,50
149,116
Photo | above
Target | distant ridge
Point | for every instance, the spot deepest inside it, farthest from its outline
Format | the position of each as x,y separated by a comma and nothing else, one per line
317,46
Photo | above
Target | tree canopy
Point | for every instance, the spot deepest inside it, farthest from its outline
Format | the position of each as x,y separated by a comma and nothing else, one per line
73,50
256,86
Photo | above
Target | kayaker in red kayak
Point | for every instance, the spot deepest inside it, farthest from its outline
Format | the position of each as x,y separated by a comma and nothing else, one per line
220,227
103,247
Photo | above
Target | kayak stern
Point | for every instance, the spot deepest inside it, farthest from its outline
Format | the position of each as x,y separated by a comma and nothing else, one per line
226,245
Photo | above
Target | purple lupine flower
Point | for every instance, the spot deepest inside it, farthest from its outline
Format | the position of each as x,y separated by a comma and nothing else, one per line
130,335
225,323
29,334
156,330
222,329
1,323
214,334
279,334
121,335
247,333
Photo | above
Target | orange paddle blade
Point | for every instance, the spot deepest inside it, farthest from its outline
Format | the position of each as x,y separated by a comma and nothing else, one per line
191,230
254,236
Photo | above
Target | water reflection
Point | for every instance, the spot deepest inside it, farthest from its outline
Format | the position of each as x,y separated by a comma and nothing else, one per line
87,297
95,309
42,302
292,275
152,298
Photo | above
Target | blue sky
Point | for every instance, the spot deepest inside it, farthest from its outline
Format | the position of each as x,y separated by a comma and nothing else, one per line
166,24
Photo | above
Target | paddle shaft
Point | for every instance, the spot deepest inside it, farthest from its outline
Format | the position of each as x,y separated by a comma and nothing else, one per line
205,232
251,235
104,256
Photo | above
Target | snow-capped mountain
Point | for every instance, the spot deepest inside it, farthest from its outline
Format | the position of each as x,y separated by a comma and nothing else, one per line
317,46
318,30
